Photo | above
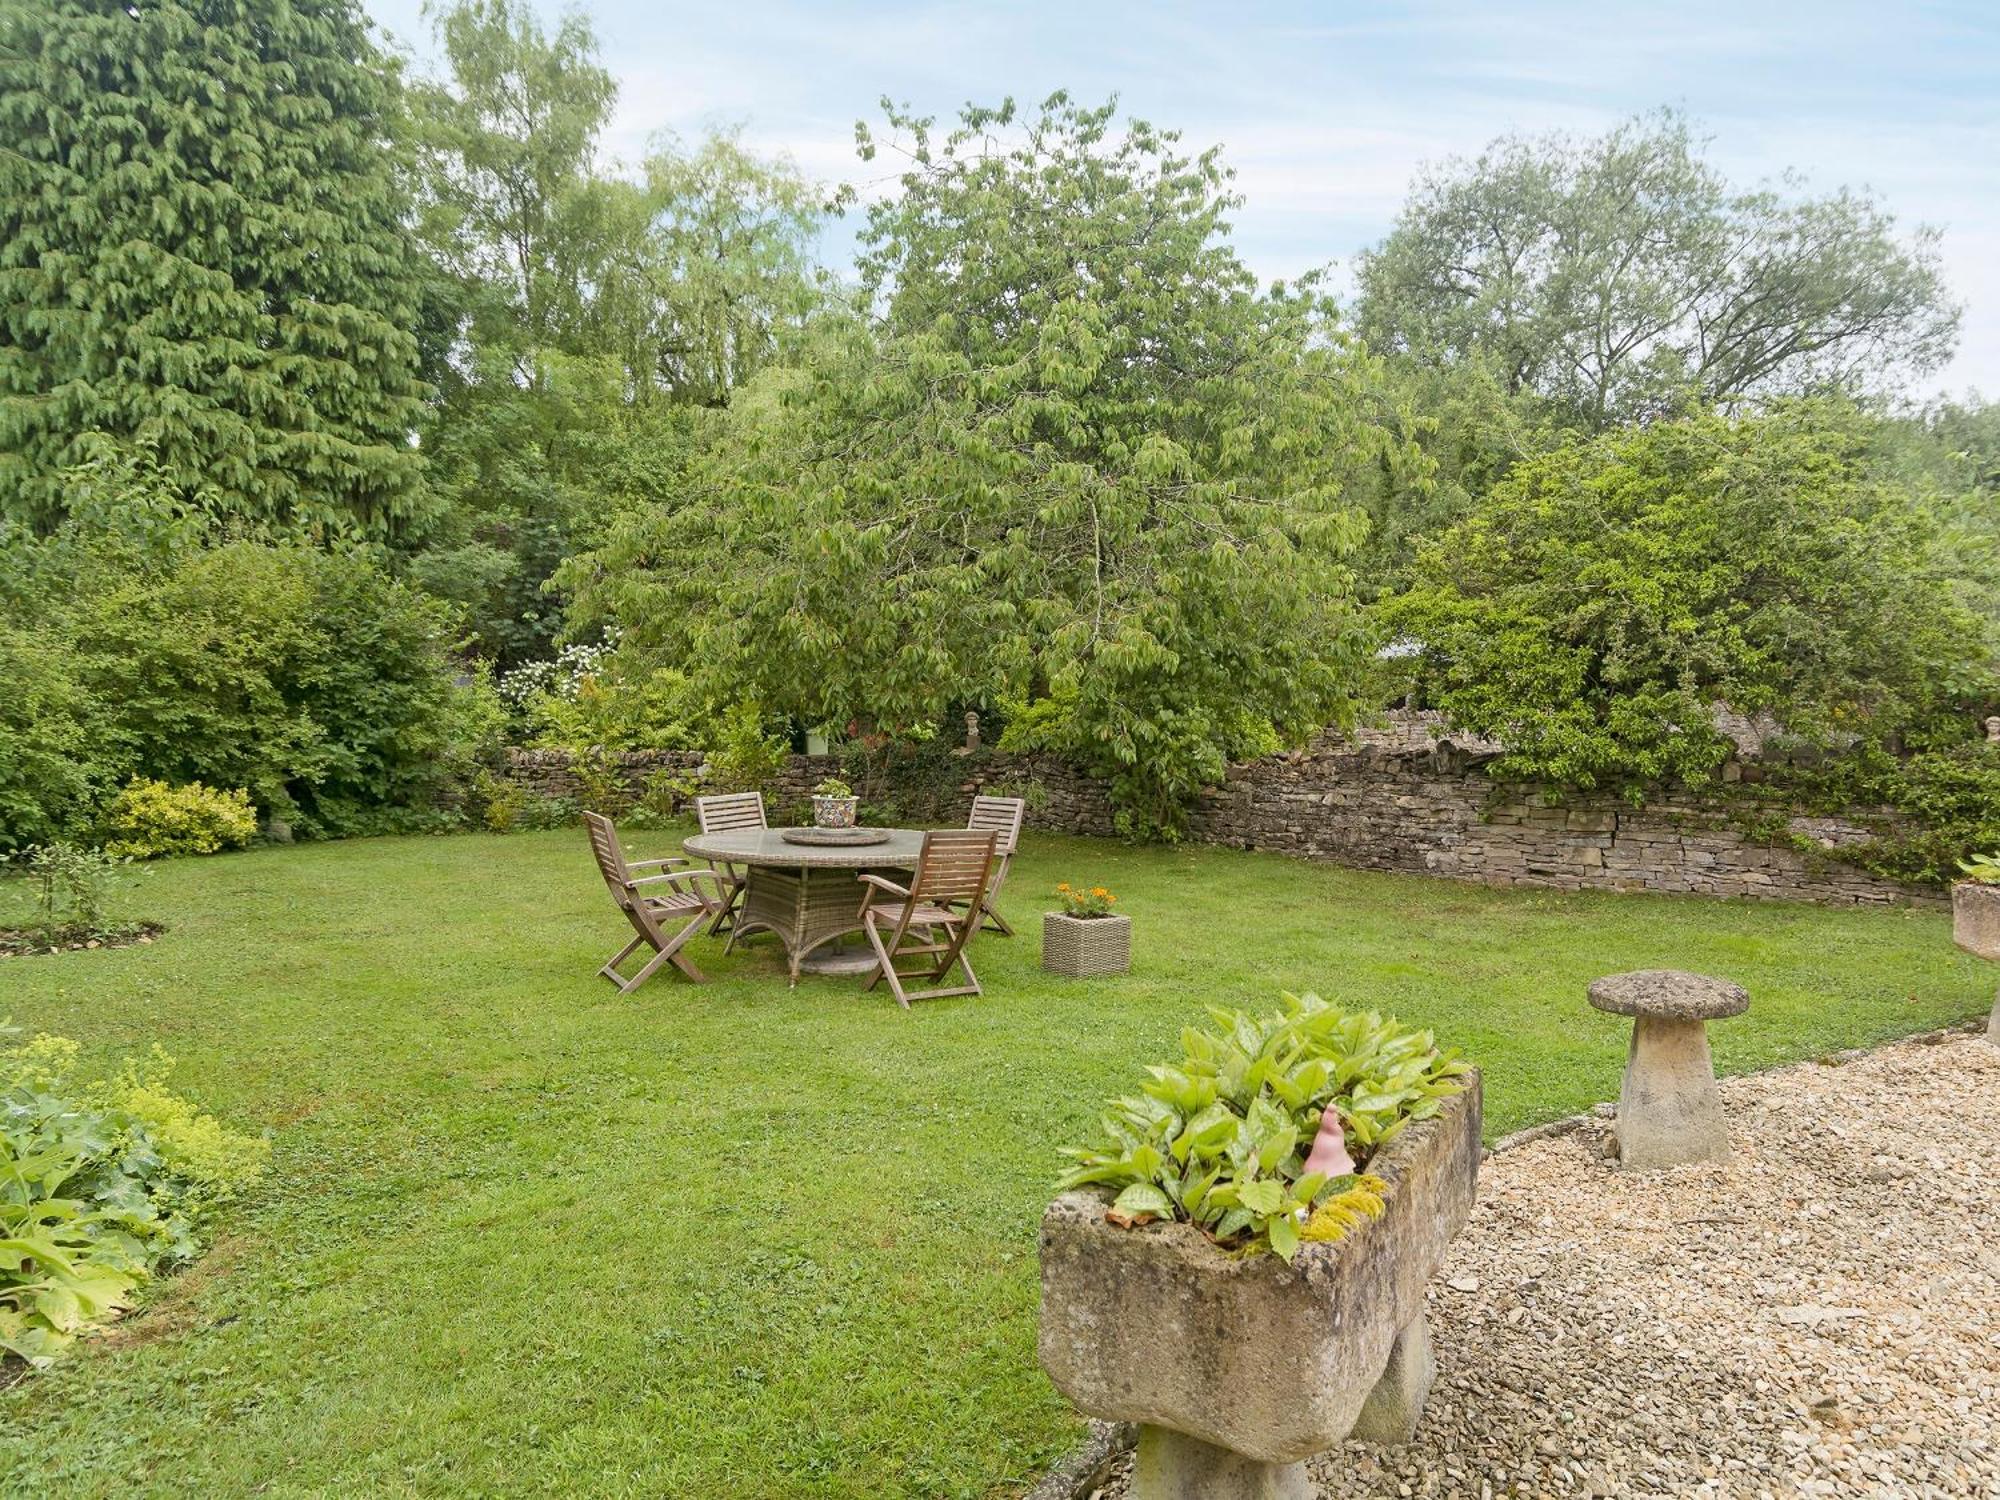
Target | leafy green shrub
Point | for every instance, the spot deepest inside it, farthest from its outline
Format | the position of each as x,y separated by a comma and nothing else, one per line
1949,797
1982,869
1224,1138
500,801
150,818
1602,599
539,814
101,1186
661,797
162,649
72,886
746,756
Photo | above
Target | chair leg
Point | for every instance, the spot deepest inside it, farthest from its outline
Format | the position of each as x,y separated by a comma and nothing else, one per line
610,969
670,954
989,908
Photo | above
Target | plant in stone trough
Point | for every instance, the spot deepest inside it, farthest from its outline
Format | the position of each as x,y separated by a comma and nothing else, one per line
1982,869
1257,1134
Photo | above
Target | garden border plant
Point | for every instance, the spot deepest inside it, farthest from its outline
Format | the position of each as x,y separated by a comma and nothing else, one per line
108,1184
72,887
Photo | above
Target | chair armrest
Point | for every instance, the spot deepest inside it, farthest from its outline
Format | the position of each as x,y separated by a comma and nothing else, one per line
647,864
882,883
673,875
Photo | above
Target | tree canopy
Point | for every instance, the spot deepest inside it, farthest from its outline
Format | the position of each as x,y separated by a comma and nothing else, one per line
1622,276
204,247
1076,464
576,313
1599,604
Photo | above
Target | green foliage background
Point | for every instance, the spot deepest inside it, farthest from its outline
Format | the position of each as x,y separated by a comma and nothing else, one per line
204,247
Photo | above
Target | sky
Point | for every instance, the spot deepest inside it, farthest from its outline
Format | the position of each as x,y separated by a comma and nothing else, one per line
1327,111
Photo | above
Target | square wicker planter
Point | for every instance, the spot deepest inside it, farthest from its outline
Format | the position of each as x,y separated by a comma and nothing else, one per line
1085,946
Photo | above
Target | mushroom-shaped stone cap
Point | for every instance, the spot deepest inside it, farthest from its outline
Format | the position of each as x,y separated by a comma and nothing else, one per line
1671,994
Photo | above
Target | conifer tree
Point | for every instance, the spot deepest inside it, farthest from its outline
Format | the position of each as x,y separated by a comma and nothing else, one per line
204,246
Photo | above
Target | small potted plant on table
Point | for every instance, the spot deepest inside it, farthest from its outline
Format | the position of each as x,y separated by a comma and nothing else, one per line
834,803
1086,937
1975,918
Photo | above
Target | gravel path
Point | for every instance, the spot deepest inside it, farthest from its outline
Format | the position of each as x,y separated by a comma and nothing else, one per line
1819,1315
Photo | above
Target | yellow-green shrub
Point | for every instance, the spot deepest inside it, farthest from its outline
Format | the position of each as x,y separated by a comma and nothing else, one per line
150,818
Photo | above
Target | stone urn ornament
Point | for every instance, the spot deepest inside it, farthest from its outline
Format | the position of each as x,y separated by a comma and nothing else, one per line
1240,1364
834,804
1975,919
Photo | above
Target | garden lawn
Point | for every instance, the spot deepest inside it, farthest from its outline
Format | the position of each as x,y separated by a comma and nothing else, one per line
523,1235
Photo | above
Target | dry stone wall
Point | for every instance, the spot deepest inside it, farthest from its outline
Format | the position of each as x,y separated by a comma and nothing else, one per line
1401,796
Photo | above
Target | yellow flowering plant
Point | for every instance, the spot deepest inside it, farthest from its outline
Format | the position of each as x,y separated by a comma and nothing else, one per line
1085,901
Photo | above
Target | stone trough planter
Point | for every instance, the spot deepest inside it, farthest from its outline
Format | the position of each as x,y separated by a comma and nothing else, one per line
1975,927
1081,947
1240,1367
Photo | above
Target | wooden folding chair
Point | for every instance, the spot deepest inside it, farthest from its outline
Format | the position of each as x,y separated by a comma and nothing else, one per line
1002,816
727,813
651,911
931,920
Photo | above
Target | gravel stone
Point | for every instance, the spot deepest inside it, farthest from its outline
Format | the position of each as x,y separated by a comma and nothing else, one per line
1785,1322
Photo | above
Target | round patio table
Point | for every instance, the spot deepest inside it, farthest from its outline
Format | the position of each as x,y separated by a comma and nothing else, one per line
807,894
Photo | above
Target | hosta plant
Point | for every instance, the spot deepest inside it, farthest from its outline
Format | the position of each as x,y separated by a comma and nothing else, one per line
1982,869
1258,1134
101,1185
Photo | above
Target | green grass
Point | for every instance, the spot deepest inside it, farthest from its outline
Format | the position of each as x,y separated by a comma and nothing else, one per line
525,1236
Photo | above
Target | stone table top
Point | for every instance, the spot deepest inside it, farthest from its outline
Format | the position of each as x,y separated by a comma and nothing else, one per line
1669,994
768,846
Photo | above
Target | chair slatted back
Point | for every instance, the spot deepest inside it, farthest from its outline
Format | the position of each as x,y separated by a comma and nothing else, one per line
1002,816
953,866
730,812
610,858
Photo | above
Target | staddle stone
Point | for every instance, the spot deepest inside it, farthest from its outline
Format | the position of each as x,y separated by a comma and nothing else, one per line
1669,1110
1671,993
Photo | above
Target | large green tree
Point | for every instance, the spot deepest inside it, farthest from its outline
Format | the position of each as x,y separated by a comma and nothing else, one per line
1076,463
1622,276
580,318
204,247
1599,604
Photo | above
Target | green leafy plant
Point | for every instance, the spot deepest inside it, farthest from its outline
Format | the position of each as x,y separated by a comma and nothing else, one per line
500,800
539,814
72,888
1229,1138
662,795
150,818
833,786
1982,869
101,1185
745,756
1085,901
